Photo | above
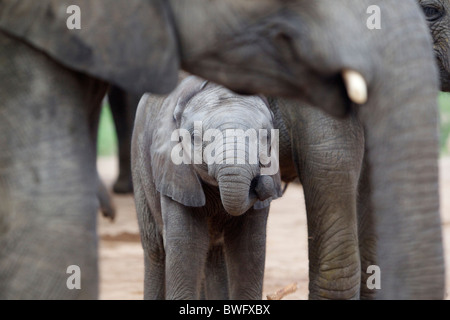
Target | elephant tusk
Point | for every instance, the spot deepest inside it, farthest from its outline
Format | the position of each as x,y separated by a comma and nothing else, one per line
356,86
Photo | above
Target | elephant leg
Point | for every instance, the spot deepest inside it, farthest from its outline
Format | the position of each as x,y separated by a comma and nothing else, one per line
329,155
186,244
152,243
154,273
245,253
106,204
367,234
123,108
216,278
48,180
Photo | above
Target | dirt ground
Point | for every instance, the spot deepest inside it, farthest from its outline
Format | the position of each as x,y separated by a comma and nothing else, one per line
121,258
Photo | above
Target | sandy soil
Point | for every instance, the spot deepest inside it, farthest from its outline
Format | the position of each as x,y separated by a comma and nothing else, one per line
121,258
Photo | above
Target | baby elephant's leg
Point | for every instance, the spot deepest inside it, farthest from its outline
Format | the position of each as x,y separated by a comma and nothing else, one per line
154,257
245,249
186,246
216,278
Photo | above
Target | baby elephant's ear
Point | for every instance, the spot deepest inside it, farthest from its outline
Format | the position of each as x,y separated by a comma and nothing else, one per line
176,180
189,90
128,43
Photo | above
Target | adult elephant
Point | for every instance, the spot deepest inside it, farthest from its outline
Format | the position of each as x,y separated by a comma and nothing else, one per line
350,213
296,48
400,233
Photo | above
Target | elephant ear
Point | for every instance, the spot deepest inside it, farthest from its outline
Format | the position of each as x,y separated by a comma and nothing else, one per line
192,88
177,181
128,43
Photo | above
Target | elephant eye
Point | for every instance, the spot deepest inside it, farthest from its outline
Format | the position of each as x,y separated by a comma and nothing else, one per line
432,13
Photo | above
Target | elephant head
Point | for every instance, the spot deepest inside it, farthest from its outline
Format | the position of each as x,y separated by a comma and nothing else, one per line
437,13
214,141
250,47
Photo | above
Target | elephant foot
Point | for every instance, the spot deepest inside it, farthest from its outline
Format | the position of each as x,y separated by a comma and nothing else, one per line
107,207
123,186
108,210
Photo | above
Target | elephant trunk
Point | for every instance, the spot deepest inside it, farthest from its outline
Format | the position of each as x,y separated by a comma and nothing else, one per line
239,180
404,174
236,191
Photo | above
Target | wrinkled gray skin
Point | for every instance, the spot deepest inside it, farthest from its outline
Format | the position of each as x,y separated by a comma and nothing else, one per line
201,220
282,48
437,13
385,231
48,177
327,153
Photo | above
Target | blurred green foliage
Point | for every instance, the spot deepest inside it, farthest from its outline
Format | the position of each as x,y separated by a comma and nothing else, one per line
444,105
107,137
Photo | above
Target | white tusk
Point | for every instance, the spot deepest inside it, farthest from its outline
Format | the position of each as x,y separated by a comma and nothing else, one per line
356,86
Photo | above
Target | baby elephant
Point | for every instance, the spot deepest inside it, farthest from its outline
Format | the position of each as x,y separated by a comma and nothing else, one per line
205,167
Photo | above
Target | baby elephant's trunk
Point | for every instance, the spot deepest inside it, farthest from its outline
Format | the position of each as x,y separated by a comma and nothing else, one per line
239,190
266,188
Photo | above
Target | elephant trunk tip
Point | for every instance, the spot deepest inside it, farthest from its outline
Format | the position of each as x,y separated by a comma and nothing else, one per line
261,188
265,188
